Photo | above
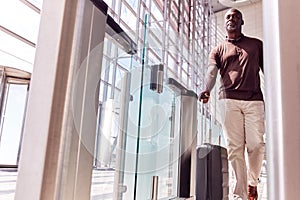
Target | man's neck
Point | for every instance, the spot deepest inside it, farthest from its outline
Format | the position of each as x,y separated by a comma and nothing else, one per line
234,35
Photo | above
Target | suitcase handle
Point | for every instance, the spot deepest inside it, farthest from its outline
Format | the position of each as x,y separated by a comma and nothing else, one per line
204,137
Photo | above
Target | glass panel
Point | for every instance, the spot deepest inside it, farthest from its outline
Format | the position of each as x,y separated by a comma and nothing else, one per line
133,4
15,53
12,123
111,71
184,77
156,12
135,138
124,62
172,63
128,17
101,92
19,18
109,115
152,148
152,145
119,75
109,90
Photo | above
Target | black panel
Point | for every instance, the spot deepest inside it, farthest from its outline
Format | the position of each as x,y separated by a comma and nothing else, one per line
115,31
122,38
185,174
101,5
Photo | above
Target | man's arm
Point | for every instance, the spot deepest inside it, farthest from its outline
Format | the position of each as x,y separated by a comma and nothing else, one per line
210,80
210,77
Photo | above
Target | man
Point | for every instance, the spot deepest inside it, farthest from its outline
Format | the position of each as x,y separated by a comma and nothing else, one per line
239,59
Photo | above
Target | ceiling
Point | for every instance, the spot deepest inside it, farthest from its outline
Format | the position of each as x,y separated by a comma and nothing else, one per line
217,6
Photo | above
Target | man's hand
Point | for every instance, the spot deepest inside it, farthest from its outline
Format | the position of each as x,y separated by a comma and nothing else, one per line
204,96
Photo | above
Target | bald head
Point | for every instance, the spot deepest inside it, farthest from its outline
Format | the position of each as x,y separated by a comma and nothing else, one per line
233,21
234,10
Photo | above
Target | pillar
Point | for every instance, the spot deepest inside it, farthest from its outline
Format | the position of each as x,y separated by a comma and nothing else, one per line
57,155
282,82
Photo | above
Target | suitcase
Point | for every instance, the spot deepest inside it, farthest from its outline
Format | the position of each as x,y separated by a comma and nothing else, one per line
212,173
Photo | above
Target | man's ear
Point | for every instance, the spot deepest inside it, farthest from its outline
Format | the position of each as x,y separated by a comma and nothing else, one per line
242,22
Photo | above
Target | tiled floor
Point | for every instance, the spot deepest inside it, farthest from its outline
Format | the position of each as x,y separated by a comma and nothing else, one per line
102,184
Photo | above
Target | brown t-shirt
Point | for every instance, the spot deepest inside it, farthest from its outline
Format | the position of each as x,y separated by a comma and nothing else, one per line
239,62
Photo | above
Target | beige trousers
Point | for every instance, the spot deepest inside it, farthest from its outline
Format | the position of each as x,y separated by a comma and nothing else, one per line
243,126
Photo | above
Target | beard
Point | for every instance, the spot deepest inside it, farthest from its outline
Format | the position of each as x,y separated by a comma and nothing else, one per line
232,27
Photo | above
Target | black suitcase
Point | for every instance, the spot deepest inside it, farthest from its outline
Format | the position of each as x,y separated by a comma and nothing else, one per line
212,178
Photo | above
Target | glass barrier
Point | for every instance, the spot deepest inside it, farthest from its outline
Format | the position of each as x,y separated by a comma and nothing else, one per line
152,146
136,137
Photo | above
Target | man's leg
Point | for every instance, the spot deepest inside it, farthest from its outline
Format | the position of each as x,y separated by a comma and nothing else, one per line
233,127
254,130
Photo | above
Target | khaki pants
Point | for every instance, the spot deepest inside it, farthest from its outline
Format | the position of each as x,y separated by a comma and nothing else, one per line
243,126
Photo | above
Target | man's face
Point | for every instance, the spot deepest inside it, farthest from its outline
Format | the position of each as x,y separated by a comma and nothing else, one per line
233,20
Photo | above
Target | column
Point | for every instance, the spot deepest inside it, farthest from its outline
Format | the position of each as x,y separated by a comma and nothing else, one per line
60,127
282,82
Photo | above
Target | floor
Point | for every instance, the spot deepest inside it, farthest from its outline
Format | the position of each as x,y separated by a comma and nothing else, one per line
102,184
7,184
